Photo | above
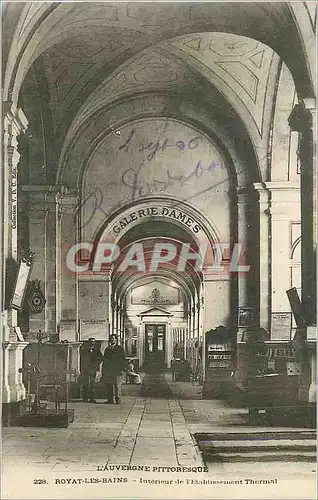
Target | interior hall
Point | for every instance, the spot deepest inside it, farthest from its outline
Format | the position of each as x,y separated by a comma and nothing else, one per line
158,189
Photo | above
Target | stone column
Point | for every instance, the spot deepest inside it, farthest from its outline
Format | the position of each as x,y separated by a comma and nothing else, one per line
264,254
114,316
37,230
43,226
248,282
198,320
193,321
117,321
302,120
248,289
284,210
188,337
14,124
67,280
122,331
193,335
13,391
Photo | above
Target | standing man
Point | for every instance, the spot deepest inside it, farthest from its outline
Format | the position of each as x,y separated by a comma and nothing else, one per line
90,361
113,368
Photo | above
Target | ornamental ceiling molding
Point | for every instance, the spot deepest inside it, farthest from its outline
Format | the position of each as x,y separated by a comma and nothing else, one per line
40,28
237,66
161,70
189,285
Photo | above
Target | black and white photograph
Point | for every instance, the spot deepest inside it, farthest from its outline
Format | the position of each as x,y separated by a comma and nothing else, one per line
158,250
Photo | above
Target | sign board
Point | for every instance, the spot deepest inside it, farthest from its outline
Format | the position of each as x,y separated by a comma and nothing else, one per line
21,283
97,328
281,326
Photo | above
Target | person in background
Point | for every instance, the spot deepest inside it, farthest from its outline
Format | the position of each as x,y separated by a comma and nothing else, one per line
133,377
113,369
90,361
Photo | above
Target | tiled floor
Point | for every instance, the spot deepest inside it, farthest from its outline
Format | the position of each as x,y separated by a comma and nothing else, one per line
138,431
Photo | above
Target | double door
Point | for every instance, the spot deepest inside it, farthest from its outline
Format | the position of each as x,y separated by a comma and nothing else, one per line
155,341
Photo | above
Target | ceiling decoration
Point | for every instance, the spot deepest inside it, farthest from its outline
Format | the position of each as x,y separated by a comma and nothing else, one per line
312,12
29,15
238,63
70,67
237,66
154,69
96,54
43,25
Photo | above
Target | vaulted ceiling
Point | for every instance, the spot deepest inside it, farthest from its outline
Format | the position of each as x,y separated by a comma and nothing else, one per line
87,56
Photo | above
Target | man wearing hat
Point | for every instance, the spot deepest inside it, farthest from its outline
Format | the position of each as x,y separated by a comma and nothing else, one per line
90,361
113,367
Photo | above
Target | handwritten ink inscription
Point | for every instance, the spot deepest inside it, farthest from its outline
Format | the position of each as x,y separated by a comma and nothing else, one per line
138,182
152,147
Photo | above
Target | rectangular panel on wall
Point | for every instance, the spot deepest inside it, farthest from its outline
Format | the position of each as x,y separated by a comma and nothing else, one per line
281,326
97,328
155,293
93,301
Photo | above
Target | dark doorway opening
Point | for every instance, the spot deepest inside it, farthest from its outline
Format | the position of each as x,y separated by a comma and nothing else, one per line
155,340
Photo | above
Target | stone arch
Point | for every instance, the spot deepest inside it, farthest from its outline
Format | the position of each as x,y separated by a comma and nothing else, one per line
106,233
288,23
163,105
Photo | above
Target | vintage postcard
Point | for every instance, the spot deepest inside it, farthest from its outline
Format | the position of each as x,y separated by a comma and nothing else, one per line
158,262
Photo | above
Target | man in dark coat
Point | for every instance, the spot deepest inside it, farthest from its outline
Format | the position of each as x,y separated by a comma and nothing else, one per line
90,361
114,364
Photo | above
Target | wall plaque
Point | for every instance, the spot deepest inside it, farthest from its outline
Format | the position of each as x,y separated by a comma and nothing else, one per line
97,328
21,282
281,326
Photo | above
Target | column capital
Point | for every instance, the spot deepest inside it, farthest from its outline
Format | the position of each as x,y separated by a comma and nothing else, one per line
300,119
15,116
47,197
245,194
264,192
310,104
282,186
67,202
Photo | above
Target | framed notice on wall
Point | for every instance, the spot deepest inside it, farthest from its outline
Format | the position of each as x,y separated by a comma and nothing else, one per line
21,283
97,328
281,325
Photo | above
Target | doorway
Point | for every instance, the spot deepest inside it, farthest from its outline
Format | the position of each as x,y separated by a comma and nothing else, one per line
155,340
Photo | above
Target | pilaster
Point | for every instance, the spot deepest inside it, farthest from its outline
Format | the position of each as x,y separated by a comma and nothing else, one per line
67,281
14,123
303,120
285,209
264,254
248,282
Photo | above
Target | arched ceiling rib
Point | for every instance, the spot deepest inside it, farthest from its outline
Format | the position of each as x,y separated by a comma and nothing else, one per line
271,23
163,47
120,287
237,66
190,279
